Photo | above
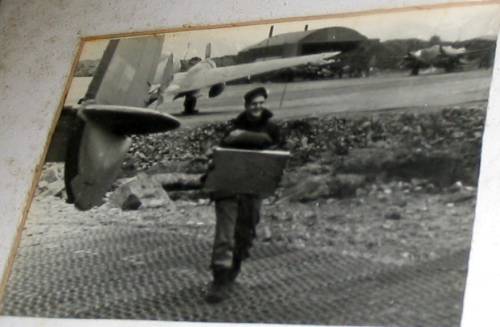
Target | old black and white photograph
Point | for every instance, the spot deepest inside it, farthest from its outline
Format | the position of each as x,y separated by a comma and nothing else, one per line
318,171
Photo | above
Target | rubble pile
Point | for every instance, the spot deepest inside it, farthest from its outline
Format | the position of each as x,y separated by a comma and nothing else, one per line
309,138
181,145
332,157
441,145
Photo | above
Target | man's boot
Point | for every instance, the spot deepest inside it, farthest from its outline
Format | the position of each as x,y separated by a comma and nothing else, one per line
221,286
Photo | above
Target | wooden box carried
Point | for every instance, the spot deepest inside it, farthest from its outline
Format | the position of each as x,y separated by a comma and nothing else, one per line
239,171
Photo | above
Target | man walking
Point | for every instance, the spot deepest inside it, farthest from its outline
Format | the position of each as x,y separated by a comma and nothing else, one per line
237,215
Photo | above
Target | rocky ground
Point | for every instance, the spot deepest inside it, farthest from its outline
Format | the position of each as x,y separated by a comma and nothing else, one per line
371,225
396,187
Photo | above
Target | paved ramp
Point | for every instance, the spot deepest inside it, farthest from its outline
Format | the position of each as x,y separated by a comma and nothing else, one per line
349,95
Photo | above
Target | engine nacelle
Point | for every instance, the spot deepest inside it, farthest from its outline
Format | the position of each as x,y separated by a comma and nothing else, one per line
216,89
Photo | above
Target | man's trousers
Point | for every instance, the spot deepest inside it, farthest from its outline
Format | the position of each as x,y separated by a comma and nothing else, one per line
236,219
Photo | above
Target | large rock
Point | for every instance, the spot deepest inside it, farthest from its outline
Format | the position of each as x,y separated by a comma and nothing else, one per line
142,191
311,188
345,185
367,160
51,180
308,189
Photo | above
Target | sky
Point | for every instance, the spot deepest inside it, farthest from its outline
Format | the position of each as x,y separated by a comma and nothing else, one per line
450,24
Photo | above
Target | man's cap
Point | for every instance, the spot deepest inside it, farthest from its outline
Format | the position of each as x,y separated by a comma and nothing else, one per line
259,91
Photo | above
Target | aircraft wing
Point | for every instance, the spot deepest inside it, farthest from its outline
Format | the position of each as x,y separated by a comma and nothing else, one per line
426,54
209,77
450,51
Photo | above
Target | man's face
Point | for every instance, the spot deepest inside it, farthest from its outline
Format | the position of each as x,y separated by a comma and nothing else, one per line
255,106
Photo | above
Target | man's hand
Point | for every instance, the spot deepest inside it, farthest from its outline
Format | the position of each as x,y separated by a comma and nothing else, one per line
233,135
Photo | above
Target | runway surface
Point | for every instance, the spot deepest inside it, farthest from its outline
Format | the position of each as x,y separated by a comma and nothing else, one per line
335,96
348,95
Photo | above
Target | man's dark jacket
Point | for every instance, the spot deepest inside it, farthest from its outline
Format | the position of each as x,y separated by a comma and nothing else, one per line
259,134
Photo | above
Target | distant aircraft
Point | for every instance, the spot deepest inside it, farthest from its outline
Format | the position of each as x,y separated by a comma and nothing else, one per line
438,56
92,137
205,74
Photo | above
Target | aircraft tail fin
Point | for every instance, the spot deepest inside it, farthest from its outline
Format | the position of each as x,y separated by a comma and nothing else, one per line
125,70
208,51
92,138
167,78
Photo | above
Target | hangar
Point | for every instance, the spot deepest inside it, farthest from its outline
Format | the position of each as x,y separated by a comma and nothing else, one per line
302,43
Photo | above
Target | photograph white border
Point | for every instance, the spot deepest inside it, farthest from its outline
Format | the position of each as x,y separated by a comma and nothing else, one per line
40,41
